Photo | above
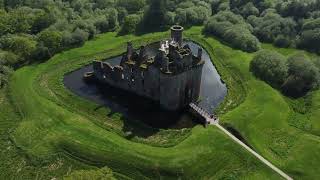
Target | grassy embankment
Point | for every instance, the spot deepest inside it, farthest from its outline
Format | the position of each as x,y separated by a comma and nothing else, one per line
55,123
283,130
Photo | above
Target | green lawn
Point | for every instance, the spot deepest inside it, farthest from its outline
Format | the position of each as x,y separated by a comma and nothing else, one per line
53,124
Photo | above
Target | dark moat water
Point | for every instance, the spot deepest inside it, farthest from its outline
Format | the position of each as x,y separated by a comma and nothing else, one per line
135,108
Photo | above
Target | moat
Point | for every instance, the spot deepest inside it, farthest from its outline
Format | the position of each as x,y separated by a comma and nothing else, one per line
133,107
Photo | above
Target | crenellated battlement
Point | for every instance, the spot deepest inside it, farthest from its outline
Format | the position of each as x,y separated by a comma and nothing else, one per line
172,76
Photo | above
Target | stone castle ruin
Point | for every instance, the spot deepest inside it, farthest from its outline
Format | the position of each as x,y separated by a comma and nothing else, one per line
172,77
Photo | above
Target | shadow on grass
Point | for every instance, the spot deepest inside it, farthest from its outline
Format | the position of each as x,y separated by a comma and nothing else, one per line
236,133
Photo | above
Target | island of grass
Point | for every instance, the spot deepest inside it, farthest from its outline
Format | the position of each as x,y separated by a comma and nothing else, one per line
49,132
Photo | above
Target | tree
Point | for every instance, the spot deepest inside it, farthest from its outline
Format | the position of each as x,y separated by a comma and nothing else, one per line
249,9
132,6
130,24
5,26
42,20
310,39
154,17
232,29
20,21
23,45
282,41
269,66
181,16
52,40
13,3
75,39
9,58
303,76
268,27
170,18
5,72
113,19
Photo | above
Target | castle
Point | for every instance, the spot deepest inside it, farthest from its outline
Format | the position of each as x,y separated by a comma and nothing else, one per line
172,77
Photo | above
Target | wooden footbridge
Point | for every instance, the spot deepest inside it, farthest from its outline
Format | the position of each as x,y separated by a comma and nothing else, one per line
208,118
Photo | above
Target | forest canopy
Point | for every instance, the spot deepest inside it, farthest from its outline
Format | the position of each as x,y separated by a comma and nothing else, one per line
35,30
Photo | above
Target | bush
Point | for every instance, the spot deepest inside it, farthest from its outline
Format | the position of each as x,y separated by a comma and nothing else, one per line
303,76
282,41
8,58
52,40
232,29
5,72
75,39
241,38
270,26
269,66
310,39
21,45
130,24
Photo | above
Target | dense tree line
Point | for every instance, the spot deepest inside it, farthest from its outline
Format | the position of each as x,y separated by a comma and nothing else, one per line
35,30
233,29
294,76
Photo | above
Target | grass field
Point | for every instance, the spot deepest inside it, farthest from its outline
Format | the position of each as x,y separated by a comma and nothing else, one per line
53,132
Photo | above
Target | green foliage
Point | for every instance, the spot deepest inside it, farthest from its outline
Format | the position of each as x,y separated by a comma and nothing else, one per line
52,40
310,37
9,58
295,77
269,66
282,41
303,76
5,72
249,9
76,38
154,16
232,29
132,6
268,27
130,24
283,23
22,45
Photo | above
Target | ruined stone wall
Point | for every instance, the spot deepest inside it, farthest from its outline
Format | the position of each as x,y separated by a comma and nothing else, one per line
179,90
144,82
172,91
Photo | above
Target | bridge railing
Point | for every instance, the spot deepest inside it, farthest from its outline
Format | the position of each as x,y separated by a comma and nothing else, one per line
209,118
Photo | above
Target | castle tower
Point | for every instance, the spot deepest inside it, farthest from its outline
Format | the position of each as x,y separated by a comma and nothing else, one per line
199,53
176,34
129,50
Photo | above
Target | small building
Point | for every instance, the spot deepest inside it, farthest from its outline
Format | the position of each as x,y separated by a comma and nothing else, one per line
172,77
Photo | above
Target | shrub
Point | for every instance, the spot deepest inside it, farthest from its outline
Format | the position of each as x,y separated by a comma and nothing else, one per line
269,66
232,29
282,41
270,26
303,76
51,39
310,39
5,72
130,24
